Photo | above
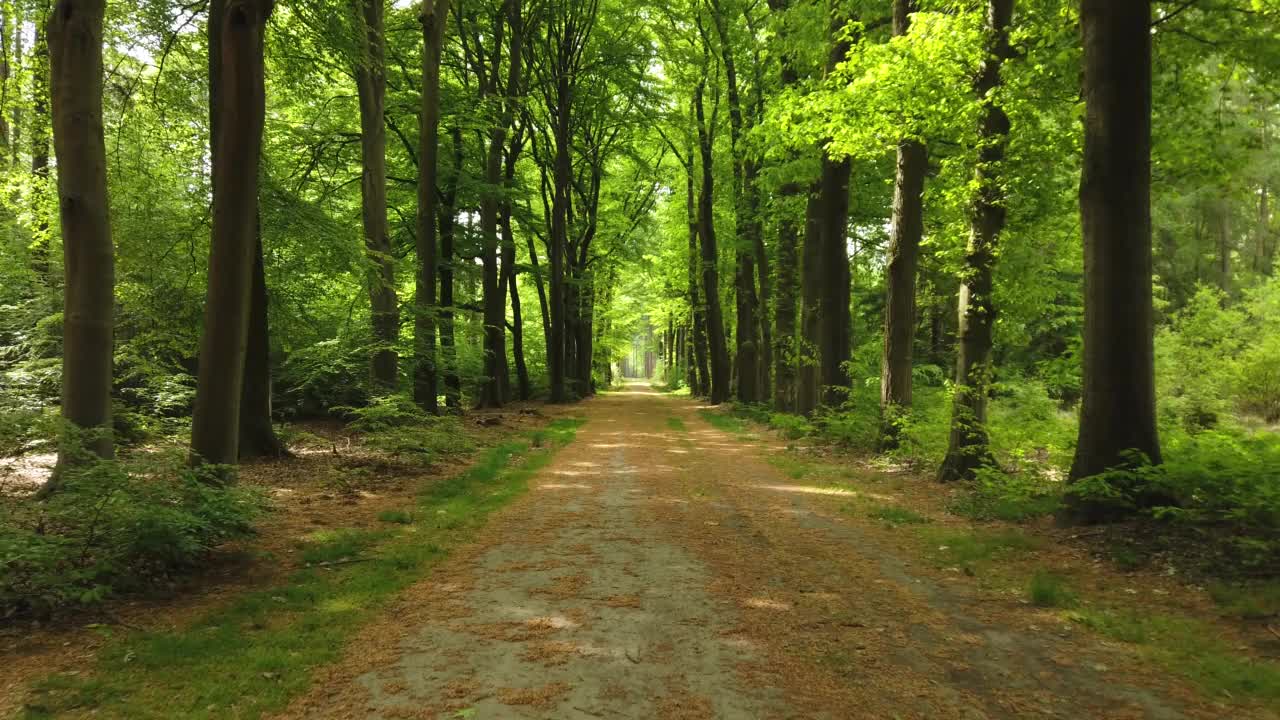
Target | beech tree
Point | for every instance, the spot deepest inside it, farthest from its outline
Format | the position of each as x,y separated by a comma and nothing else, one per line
968,447
434,18
900,271
371,87
215,423
75,64
1118,411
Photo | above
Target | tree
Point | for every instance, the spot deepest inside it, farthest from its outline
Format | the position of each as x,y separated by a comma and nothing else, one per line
1118,413
75,63
905,233
745,207
434,18
710,254
968,445
371,86
215,431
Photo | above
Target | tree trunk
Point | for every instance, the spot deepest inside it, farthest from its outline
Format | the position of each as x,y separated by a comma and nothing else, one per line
371,86
426,379
1221,210
811,294
905,234
562,178
746,337
1266,248
448,223
834,313
494,388
698,371
710,259
40,77
968,448
1118,411
240,114
257,433
75,53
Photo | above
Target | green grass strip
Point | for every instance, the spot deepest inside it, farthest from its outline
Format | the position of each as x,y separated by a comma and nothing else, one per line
253,656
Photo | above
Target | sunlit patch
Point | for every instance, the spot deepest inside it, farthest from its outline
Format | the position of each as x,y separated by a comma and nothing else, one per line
573,473
336,605
611,446
812,490
26,473
585,464
760,603
281,492
564,486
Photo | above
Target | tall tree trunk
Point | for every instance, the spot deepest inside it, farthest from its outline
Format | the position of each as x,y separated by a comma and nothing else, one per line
905,234
710,258
542,292
523,388
1221,218
562,179
746,337
257,434
75,53
807,385
1266,248
494,388
698,368
835,333
968,447
426,383
241,110
371,86
1118,414
785,307
448,224
40,77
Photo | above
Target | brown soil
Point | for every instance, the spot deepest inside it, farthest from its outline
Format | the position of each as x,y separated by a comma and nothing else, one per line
651,573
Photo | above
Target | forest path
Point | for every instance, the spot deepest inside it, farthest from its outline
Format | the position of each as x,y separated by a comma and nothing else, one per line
661,568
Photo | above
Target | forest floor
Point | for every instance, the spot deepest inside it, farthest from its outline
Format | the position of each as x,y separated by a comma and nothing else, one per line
671,562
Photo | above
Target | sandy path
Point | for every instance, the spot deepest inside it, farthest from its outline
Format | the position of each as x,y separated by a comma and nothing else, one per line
653,572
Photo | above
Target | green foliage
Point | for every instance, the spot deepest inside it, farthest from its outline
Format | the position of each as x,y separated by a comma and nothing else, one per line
1191,649
1050,590
394,424
1257,600
1011,497
893,515
972,549
117,525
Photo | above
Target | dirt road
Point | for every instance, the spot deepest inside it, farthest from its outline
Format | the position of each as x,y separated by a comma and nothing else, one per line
659,568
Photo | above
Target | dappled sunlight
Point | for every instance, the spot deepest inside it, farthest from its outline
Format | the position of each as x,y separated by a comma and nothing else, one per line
817,490
25,474
762,603
563,486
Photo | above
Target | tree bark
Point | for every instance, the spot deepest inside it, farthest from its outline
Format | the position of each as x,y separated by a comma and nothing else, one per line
905,234
75,54
40,92
240,114
448,224
968,445
426,378
257,433
371,87
834,313
807,385
747,325
698,368
710,258
1118,411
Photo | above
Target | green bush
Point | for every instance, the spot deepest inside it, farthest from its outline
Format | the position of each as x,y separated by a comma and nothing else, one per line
1011,497
394,424
116,525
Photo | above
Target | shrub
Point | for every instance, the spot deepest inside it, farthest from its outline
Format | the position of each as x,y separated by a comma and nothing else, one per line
1050,590
394,424
1010,497
116,525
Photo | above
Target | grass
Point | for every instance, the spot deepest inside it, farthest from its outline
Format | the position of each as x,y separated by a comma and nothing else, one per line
399,517
252,656
677,424
975,548
1248,601
1050,590
894,515
724,421
1192,649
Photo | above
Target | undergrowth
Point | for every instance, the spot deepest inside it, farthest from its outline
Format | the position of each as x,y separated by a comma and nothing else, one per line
251,657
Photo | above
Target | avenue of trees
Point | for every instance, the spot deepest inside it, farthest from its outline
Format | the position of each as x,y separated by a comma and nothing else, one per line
885,221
